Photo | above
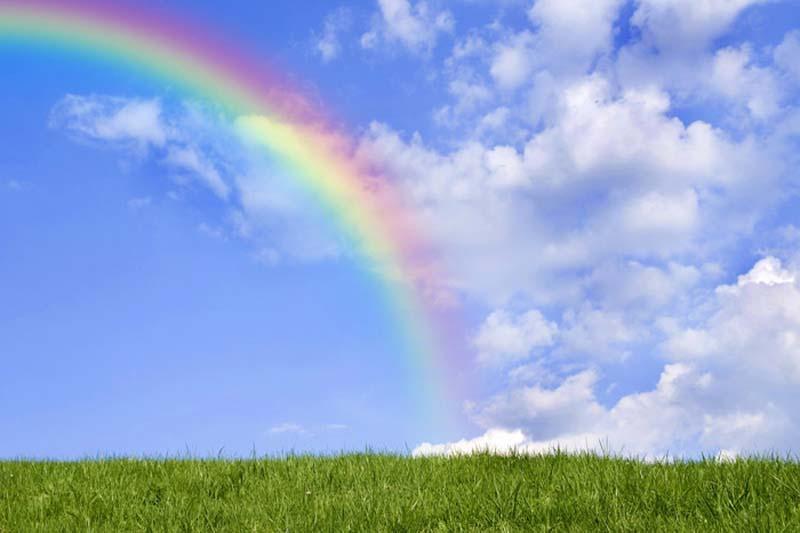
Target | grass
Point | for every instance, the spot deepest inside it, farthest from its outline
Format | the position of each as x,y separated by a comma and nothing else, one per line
372,492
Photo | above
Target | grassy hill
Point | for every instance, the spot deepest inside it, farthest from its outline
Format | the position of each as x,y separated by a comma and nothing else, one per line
366,492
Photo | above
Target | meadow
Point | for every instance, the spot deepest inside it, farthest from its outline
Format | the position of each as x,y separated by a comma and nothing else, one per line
375,492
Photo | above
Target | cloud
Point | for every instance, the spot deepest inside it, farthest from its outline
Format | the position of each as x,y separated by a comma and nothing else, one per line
767,271
141,127
293,428
729,385
686,25
544,413
513,61
676,51
119,120
505,442
190,160
201,151
596,333
287,427
328,45
505,337
494,441
573,33
787,54
632,285
756,88
615,192
416,26
611,174
567,37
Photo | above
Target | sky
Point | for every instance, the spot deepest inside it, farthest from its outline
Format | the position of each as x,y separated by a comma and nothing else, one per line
610,185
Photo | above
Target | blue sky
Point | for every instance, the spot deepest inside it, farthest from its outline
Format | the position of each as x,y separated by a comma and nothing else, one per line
612,185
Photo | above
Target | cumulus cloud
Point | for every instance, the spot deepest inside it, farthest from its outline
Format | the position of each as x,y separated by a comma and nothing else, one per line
729,385
513,61
505,337
596,333
614,191
756,88
573,32
787,54
417,26
686,25
611,175
566,38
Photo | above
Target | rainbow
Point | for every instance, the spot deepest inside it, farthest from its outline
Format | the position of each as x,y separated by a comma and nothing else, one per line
364,206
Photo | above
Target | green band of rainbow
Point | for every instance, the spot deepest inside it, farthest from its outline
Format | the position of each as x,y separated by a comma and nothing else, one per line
366,208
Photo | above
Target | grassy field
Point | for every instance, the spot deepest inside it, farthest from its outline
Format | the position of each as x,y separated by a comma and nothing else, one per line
390,493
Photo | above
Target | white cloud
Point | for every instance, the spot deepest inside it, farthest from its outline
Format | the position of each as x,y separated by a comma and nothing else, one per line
287,427
669,217
628,285
787,54
195,147
596,333
677,53
328,45
417,26
544,413
494,441
570,183
686,25
495,120
119,120
734,76
611,175
729,385
610,207
568,36
505,337
574,32
141,126
190,160
767,271
513,62
579,188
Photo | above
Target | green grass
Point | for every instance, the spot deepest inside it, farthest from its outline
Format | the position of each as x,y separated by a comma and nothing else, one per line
390,493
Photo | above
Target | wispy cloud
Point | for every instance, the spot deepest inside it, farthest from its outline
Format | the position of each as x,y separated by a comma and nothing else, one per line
139,203
14,185
328,45
287,427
